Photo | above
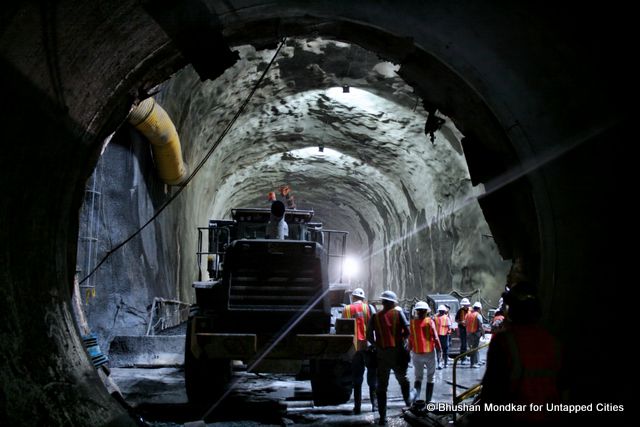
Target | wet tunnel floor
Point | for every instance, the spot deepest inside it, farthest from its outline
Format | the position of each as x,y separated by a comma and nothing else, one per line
268,399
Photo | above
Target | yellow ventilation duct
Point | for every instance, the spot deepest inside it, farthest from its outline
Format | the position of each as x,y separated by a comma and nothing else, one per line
154,123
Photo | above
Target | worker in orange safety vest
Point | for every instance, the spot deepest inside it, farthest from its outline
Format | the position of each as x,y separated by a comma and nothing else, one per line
361,311
388,330
443,327
462,328
473,321
423,341
497,323
524,363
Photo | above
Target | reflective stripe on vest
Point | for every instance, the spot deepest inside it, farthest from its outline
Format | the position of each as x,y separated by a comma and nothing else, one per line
360,312
472,321
442,324
386,324
421,338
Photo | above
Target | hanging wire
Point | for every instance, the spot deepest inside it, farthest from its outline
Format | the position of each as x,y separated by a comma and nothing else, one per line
195,170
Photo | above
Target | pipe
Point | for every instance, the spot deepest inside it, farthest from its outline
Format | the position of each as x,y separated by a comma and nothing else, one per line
154,123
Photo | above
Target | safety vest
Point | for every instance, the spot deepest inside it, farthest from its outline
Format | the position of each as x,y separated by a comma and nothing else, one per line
471,319
534,359
386,327
497,319
359,311
421,339
461,314
442,324
497,324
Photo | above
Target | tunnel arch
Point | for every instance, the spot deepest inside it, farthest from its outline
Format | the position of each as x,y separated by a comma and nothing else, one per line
79,99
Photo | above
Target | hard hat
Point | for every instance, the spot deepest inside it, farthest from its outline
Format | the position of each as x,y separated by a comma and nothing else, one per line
358,292
441,307
465,301
389,296
421,305
477,304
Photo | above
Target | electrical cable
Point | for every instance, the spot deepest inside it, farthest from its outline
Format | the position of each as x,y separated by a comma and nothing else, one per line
195,170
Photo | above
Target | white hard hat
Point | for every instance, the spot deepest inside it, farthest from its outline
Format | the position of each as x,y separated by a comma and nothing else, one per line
421,305
389,296
477,304
358,292
465,301
441,307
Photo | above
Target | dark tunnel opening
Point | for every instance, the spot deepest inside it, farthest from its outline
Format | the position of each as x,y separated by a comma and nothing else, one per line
539,219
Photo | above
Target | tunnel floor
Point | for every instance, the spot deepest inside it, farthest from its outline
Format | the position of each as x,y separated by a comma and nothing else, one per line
267,399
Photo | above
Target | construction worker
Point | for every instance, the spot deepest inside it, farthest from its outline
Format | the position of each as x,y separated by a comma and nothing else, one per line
443,328
285,191
361,311
388,330
277,227
462,329
524,362
423,342
498,321
473,320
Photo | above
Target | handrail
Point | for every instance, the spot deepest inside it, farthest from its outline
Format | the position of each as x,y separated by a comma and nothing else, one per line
472,391
216,240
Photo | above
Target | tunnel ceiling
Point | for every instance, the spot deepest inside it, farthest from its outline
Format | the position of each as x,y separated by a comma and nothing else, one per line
373,135
376,156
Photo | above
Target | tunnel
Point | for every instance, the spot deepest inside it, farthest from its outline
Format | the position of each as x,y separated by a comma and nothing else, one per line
453,140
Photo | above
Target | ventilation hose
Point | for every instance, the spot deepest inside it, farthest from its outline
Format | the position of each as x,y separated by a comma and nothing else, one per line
154,123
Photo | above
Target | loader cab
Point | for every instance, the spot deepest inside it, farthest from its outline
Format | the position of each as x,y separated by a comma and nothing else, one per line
251,223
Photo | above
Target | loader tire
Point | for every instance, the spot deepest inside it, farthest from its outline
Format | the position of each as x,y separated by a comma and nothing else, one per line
331,382
205,379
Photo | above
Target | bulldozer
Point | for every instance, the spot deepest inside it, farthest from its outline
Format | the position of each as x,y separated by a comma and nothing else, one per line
266,303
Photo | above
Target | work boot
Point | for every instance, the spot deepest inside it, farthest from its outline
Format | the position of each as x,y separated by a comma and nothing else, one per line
374,401
429,393
417,386
357,399
382,407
